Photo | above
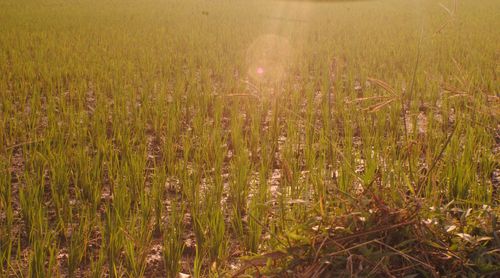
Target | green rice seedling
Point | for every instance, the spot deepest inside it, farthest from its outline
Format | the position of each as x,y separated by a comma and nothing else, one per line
257,212
78,242
134,178
42,261
217,242
158,195
137,245
6,235
198,263
113,240
216,216
173,244
31,200
97,264
240,173
85,178
59,187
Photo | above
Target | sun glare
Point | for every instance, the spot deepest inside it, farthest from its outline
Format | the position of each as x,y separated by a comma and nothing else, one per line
268,57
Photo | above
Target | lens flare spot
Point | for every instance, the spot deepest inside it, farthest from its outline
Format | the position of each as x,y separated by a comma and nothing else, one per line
268,58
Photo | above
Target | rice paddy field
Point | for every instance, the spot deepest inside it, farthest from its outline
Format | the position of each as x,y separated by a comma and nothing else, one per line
165,138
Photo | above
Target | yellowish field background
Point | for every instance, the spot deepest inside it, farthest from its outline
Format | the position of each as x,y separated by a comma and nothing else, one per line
153,137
